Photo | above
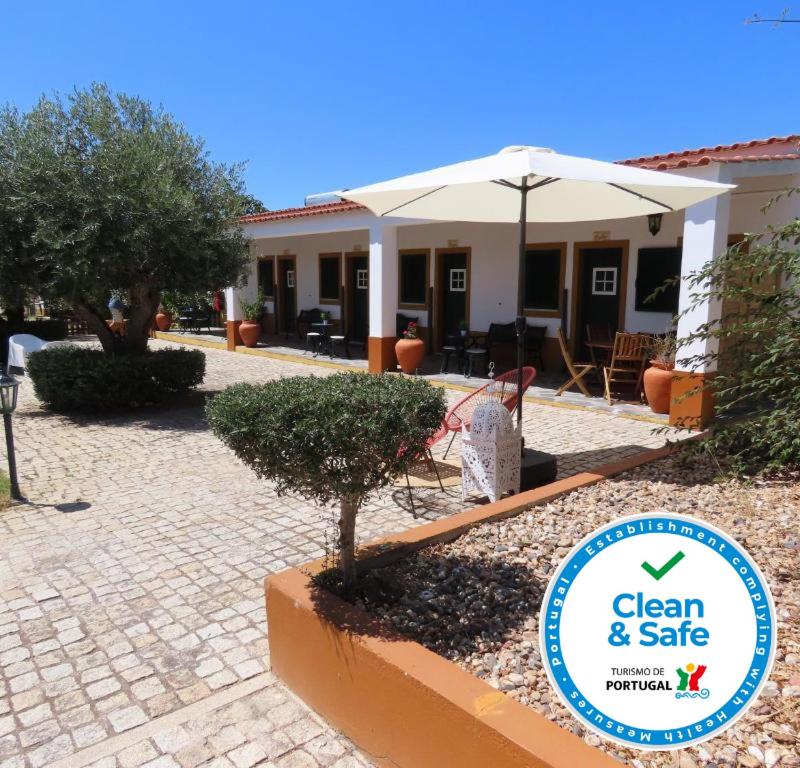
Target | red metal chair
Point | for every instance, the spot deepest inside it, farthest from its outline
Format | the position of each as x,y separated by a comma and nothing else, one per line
502,388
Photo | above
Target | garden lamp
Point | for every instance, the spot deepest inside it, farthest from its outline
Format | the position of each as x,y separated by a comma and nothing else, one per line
9,388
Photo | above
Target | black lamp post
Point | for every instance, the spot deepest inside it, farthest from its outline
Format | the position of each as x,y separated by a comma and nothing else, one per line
9,388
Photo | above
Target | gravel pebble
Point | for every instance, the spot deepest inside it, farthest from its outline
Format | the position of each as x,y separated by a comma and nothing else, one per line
476,600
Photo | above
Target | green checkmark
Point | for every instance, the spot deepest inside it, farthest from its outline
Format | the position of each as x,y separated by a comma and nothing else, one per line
664,569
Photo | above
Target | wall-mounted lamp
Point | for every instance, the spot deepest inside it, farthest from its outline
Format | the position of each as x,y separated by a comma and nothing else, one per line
654,223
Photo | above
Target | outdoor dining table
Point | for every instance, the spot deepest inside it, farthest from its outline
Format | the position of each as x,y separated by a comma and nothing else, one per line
455,344
600,353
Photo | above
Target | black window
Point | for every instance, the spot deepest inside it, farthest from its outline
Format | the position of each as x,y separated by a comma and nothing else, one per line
413,278
266,277
329,278
543,279
654,267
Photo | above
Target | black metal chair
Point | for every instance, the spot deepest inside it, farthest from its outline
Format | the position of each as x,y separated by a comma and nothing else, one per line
306,319
505,335
195,318
455,344
338,339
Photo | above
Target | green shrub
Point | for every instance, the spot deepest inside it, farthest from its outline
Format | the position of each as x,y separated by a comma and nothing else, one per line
338,437
80,379
754,346
175,301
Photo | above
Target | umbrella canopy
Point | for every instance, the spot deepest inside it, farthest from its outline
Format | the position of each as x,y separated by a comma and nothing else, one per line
527,185
561,188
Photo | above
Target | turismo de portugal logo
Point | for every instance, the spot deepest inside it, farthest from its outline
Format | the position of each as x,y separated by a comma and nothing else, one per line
658,631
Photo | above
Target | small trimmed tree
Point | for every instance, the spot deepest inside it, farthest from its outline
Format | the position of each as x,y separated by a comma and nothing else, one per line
102,193
757,399
339,437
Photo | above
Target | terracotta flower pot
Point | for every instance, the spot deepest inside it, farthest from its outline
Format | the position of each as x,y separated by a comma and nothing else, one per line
410,353
658,386
250,331
164,321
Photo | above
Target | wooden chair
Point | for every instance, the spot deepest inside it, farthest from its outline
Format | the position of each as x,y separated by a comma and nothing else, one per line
576,370
598,332
628,358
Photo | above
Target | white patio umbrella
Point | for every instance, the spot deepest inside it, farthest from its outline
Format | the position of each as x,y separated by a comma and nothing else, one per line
532,184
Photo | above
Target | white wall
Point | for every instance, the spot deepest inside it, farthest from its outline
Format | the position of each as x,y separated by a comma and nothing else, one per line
306,249
494,250
752,194
494,262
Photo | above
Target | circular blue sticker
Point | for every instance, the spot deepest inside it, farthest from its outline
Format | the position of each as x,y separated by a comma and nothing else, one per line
657,631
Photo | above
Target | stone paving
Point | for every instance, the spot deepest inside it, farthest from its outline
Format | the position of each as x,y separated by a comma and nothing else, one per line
132,621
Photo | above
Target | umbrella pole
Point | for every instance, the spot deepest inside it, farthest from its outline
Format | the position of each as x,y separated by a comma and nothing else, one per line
521,325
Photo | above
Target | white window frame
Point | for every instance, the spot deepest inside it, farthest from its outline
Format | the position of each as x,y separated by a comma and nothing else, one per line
610,276
458,280
362,279
290,278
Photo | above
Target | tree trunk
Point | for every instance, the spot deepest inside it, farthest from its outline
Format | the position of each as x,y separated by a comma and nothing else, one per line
347,531
144,301
97,324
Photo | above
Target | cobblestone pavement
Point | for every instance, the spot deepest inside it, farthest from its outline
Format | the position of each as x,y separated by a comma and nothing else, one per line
132,622
543,388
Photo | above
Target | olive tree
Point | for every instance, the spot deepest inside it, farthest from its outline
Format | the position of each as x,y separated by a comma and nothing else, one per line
102,193
20,274
334,438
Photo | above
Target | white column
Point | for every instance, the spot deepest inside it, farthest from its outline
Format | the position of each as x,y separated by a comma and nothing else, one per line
705,237
233,307
383,280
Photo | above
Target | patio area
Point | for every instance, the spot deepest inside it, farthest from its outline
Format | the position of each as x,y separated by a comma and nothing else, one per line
542,390
132,623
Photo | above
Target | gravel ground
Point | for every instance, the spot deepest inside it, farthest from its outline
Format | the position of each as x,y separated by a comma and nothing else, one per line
476,600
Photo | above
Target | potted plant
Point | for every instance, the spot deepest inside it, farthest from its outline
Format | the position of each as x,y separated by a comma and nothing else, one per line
163,318
463,328
252,312
658,377
410,350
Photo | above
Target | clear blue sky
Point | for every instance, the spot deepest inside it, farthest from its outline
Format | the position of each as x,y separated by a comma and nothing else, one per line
323,95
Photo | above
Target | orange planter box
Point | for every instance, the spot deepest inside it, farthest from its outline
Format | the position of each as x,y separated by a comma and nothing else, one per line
402,704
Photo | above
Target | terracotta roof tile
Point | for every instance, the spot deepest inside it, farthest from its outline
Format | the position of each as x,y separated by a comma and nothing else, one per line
757,150
307,210
774,148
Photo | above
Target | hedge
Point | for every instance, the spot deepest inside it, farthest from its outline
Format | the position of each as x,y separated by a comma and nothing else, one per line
79,379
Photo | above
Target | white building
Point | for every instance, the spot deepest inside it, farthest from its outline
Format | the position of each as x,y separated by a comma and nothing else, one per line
363,270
